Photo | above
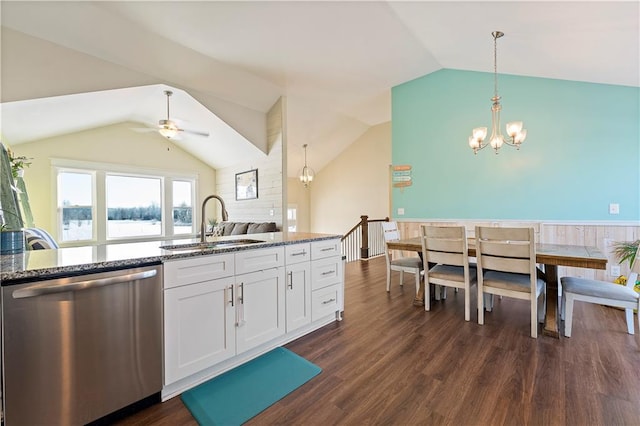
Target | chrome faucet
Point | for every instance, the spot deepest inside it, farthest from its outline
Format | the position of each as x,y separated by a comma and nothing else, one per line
225,214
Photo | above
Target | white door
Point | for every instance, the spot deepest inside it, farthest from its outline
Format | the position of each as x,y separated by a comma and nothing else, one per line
199,327
260,307
298,295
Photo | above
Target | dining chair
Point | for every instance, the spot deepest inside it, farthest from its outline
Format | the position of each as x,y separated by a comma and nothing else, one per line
601,293
446,247
507,267
412,265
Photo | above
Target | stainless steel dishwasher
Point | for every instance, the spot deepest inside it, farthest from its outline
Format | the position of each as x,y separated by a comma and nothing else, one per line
76,349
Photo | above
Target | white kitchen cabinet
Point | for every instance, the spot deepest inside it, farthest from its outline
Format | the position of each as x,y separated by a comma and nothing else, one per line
298,295
199,324
221,310
298,281
260,310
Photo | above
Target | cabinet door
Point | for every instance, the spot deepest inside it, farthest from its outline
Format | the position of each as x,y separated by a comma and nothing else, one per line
298,295
260,307
199,327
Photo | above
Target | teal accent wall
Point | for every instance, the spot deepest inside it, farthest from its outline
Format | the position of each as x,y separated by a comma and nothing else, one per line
582,150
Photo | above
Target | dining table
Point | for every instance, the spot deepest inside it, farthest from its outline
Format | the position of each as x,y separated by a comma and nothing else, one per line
549,255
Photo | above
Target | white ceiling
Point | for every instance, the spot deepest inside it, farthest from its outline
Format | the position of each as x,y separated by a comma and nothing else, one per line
335,61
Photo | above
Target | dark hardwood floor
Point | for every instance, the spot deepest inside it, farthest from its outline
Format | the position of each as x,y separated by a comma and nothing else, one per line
390,363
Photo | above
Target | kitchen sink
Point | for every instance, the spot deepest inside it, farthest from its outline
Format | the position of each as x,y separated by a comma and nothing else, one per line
211,245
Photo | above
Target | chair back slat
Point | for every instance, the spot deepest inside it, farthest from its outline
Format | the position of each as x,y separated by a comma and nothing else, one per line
500,233
456,259
505,248
449,246
517,266
443,231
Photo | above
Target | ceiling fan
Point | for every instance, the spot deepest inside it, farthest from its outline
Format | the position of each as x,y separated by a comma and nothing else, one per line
170,129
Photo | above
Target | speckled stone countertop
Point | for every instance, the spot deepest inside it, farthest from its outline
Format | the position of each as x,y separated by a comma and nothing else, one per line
44,264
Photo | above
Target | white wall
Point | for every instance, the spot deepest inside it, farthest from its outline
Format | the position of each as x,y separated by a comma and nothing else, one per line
353,184
268,206
117,144
301,198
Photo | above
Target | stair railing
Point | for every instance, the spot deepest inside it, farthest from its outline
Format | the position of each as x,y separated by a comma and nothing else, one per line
365,240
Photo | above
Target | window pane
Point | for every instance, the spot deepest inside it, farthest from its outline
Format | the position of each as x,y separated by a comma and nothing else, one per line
133,206
75,201
292,224
182,207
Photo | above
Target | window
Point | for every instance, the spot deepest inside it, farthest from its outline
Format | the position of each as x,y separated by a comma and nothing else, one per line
75,205
292,212
133,206
102,202
182,207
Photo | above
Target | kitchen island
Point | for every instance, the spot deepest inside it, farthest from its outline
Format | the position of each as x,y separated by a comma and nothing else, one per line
222,303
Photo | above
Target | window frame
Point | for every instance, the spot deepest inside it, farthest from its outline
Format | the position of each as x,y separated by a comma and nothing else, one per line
99,209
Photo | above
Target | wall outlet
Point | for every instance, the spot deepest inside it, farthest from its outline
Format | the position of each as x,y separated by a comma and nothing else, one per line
400,211
615,271
614,208
271,212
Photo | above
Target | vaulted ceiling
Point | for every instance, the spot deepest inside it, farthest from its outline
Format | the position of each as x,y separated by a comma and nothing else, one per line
334,61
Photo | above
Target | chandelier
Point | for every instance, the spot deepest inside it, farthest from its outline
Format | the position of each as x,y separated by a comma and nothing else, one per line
306,174
516,134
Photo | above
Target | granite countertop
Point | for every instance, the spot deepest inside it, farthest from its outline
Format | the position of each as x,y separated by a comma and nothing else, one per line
45,264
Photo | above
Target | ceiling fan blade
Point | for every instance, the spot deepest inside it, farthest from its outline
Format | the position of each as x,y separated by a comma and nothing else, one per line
196,132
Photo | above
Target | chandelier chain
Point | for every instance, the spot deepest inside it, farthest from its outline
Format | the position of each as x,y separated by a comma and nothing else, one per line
495,64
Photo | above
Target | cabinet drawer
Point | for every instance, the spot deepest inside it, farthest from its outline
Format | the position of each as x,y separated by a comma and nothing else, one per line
257,260
325,301
297,253
325,248
326,272
198,269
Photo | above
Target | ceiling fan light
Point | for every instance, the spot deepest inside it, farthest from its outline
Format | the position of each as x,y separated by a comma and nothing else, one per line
168,132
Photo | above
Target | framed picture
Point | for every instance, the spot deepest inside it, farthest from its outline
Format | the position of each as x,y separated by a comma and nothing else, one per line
247,185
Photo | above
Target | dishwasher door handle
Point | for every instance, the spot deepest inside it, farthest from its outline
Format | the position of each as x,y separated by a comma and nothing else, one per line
49,288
